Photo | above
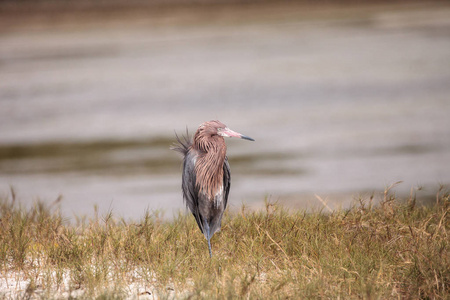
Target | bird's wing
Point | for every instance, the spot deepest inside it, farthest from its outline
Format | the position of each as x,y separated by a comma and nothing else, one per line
190,190
226,181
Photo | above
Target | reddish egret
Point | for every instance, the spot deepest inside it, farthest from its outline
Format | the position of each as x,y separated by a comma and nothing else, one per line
206,175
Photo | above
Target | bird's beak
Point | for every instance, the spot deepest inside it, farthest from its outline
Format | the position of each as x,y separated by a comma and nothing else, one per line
227,132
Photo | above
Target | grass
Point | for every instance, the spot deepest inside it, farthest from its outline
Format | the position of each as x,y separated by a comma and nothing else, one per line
396,249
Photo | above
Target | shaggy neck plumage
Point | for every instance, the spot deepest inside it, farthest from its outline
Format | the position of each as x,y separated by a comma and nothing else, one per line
209,166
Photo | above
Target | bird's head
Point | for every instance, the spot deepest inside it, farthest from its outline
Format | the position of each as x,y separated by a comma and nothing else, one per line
217,128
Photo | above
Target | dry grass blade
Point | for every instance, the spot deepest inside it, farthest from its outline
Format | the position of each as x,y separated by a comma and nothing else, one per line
396,250
324,203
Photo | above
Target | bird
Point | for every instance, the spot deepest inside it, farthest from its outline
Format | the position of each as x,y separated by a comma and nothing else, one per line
206,176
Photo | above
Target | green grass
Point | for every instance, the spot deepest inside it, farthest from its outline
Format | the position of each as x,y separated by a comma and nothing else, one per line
396,249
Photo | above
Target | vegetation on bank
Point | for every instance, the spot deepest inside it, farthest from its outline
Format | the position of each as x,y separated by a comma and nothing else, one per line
396,249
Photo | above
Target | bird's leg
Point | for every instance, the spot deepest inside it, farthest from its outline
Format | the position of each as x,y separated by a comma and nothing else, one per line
208,236
209,246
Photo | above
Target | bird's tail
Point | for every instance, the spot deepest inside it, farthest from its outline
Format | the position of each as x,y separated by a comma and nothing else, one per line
183,143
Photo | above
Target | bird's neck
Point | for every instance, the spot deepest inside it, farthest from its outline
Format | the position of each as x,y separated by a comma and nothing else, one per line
209,166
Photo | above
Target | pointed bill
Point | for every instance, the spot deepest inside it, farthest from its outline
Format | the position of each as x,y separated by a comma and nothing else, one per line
227,132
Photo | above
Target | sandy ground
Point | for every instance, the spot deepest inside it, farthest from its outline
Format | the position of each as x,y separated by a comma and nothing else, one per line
17,285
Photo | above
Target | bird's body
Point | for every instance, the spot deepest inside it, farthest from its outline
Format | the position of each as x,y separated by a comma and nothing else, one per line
206,175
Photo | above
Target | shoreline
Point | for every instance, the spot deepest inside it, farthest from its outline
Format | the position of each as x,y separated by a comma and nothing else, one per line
46,15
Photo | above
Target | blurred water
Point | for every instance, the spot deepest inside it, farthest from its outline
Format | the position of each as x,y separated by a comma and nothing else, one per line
338,105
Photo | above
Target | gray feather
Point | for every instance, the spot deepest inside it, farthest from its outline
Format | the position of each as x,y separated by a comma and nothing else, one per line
206,212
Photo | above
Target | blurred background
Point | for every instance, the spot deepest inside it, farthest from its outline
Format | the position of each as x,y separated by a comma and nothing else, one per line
343,99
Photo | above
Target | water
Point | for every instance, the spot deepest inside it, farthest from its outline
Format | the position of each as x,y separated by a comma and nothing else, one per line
340,103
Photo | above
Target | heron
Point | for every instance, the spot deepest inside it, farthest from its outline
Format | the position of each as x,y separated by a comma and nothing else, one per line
206,174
